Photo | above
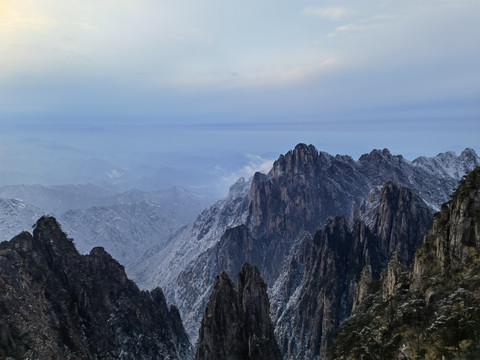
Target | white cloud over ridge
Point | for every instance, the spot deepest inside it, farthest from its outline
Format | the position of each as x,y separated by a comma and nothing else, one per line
255,163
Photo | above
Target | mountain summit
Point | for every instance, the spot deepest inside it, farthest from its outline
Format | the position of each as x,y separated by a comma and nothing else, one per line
236,323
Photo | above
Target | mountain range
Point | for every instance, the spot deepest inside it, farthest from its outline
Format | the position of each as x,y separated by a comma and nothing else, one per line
319,246
273,218
126,224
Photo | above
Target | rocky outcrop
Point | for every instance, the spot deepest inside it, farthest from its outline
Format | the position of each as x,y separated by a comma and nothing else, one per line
399,221
455,231
430,311
334,264
58,304
236,323
394,277
362,288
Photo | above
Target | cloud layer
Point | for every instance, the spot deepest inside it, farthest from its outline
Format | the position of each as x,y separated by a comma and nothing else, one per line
299,65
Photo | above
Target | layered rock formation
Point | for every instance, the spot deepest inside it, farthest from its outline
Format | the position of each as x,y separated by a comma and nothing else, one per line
432,310
236,323
58,304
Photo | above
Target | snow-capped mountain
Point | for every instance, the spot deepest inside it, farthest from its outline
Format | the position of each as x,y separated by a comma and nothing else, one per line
262,224
448,164
16,216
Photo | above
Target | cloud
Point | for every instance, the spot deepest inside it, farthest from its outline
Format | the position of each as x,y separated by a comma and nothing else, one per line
333,13
255,164
12,16
371,23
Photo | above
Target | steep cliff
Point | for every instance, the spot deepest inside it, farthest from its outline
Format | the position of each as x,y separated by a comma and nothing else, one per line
340,270
58,304
236,323
432,310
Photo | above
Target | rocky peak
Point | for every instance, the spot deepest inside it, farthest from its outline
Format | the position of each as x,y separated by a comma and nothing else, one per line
238,189
448,164
297,161
56,303
394,276
50,238
469,154
363,287
378,155
401,220
236,322
455,230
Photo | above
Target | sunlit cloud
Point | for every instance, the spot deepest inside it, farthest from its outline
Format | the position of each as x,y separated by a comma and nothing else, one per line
333,13
371,23
12,16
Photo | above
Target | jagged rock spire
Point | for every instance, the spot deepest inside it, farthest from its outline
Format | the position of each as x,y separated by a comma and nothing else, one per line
236,323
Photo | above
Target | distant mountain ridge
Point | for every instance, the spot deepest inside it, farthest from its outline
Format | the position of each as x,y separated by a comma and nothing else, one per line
126,224
263,223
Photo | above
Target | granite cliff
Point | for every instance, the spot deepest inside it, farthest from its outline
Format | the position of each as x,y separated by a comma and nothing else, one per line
236,323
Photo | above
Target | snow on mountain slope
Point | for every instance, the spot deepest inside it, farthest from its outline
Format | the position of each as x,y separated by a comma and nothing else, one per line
448,164
16,216
162,264
124,224
125,231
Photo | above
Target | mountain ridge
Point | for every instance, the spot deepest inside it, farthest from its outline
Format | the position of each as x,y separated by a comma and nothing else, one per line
301,191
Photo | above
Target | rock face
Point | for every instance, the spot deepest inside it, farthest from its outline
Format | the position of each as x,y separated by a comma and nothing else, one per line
432,310
236,323
58,304
340,270
399,220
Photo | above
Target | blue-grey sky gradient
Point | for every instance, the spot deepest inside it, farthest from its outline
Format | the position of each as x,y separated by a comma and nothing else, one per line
249,76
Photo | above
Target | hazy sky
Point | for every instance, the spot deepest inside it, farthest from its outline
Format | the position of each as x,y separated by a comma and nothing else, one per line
243,75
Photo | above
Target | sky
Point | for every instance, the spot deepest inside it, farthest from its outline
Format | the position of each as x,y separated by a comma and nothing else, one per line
242,76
